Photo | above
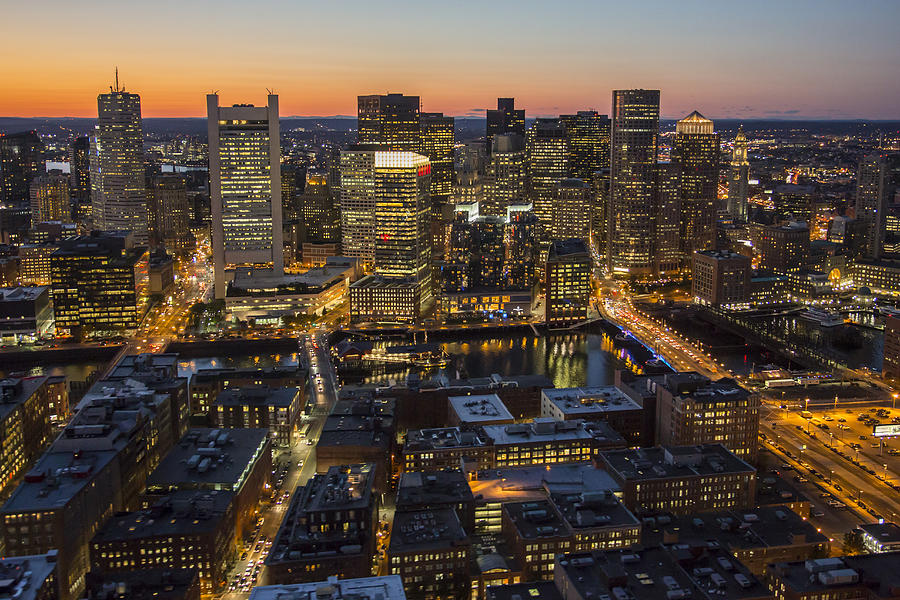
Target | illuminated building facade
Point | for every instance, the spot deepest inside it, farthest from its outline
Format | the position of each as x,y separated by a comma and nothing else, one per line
318,211
781,249
696,150
93,283
891,366
118,188
260,407
668,257
547,151
522,249
358,204
877,181
80,174
794,202
35,262
25,423
169,212
506,181
390,120
631,214
739,178
505,119
245,187
21,160
571,210
588,133
567,283
50,198
438,137
721,278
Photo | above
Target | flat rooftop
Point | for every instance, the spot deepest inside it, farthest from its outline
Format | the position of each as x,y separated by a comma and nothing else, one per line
882,533
662,462
258,395
433,488
205,457
419,440
700,388
592,508
878,572
144,584
483,408
425,530
545,590
386,587
21,577
15,391
536,519
22,293
501,485
545,429
590,401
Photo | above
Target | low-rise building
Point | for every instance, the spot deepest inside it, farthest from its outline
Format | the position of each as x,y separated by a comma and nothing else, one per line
29,577
25,425
26,313
882,277
681,479
448,488
385,587
275,409
597,520
144,584
721,278
359,430
537,533
430,552
328,530
483,409
546,441
880,537
380,299
235,460
446,447
603,403
187,530
545,590
567,283
207,384
863,577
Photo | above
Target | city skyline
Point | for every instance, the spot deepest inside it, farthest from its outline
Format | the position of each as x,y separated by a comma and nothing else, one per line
801,60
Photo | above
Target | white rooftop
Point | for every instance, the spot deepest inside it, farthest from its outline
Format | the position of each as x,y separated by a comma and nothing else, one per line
589,400
480,408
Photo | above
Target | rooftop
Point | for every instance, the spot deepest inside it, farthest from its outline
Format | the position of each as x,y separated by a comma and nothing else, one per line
567,248
443,437
209,457
257,395
483,408
545,590
592,508
22,293
536,519
881,534
424,530
545,429
590,400
878,572
537,482
661,462
142,584
186,512
15,391
387,587
419,489
21,577
702,389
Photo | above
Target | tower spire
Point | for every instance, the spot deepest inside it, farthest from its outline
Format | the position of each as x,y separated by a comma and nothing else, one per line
117,78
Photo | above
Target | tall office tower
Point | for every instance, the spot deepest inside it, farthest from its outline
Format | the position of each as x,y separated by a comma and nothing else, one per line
167,204
245,187
80,177
599,220
571,210
547,151
396,184
438,137
318,211
588,133
668,257
738,178
522,249
506,119
358,204
567,282
506,180
292,181
631,214
50,198
118,189
873,194
391,120
21,160
455,269
696,150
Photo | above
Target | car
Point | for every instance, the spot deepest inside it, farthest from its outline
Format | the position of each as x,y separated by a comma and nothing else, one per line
817,513
842,420
863,437
838,487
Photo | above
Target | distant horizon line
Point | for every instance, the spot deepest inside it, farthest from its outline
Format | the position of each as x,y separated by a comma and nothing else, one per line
539,116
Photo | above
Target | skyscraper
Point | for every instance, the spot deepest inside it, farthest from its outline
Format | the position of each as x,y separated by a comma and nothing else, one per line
668,256
245,187
80,176
588,133
118,192
358,204
168,208
50,198
438,137
696,150
391,120
547,151
21,160
506,119
631,214
876,183
506,180
318,211
571,210
738,178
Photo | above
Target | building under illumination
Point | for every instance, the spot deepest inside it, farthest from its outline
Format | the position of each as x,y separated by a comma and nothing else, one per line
588,133
118,189
50,198
438,136
391,121
504,120
547,151
739,178
632,206
245,187
506,180
567,283
721,278
21,160
571,210
397,185
696,151
169,212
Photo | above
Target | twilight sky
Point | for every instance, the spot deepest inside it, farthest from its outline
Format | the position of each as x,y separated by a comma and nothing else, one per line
725,58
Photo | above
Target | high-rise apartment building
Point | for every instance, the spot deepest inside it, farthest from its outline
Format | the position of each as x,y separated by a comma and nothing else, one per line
739,178
632,215
547,151
318,210
696,150
571,210
588,133
168,210
877,181
506,119
118,189
668,258
245,187
506,181
438,138
568,283
50,198
21,160
390,120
